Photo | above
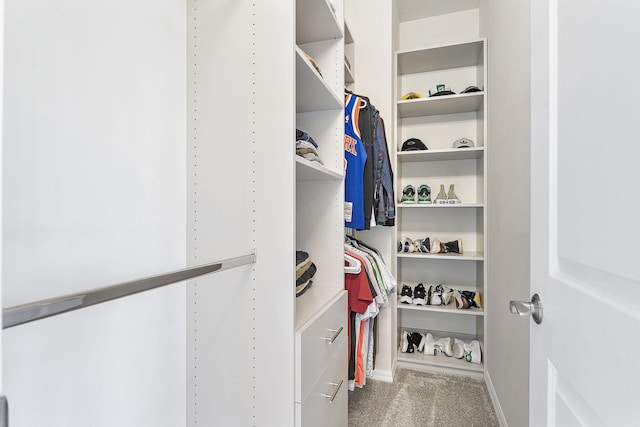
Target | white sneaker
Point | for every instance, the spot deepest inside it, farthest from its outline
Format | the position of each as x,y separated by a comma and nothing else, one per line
441,198
458,348
446,345
436,246
472,352
405,345
451,196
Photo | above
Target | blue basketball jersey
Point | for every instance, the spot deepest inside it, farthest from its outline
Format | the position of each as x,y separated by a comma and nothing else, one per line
355,158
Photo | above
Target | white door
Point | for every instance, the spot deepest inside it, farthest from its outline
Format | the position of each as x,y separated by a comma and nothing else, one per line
585,212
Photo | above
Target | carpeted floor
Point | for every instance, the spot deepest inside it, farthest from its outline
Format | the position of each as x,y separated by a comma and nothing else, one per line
417,398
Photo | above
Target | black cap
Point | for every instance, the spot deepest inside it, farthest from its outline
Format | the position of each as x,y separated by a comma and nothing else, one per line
472,89
413,144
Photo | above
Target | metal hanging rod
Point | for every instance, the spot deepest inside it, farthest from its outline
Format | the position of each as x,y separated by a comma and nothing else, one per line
18,315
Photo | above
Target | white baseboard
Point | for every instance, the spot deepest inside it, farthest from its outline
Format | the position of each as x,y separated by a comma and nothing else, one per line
386,376
494,399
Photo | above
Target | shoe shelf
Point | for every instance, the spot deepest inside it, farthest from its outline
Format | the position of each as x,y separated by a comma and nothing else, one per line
312,92
315,21
461,103
439,206
307,170
438,122
440,360
467,256
439,155
450,309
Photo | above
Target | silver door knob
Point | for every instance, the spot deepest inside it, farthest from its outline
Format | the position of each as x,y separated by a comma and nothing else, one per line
523,308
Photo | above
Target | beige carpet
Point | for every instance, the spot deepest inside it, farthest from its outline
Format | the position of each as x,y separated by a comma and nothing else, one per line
417,398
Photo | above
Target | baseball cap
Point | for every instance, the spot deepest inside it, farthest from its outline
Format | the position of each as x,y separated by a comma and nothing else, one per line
411,95
413,144
441,89
463,143
470,89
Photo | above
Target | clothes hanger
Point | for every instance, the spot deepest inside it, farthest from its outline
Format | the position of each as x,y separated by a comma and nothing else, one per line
354,266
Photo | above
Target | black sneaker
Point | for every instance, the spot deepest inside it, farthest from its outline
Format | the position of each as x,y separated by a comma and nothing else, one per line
406,346
453,247
406,295
425,245
419,295
418,340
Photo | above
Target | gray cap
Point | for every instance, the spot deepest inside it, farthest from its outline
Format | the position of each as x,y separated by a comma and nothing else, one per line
463,143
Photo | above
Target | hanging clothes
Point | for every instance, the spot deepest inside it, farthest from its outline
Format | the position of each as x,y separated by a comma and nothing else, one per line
370,184
369,290
355,158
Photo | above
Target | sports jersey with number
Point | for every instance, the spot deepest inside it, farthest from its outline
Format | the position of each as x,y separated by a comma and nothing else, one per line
355,158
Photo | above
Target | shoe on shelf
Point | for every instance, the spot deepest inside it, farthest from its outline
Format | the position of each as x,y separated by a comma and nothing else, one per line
425,245
408,194
437,247
451,196
472,352
400,246
446,345
406,295
442,295
406,346
419,295
441,198
433,346
455,246
435,297
473,298
458,348
417,340
461,300
430,345
424,194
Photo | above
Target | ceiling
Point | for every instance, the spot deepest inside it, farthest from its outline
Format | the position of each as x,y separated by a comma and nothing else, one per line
408,10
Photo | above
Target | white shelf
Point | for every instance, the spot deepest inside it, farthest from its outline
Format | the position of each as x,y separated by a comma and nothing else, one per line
312,92
450,309
440,57
467,256
440,360
316,21
448,104
438,155
438,206
307,170
312,301
348,38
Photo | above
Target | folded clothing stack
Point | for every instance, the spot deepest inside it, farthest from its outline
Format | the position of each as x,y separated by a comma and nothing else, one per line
305,270
306,147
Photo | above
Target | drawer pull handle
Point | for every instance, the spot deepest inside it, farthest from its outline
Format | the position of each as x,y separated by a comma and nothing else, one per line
335,335
335,392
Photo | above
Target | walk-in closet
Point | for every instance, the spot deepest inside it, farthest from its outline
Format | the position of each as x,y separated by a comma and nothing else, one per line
318,213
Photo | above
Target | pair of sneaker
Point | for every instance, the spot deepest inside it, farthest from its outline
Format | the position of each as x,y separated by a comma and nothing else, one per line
467,299
453,347
414,246
471,351
417,296
436,295
410,342
438,247
409,194
449,198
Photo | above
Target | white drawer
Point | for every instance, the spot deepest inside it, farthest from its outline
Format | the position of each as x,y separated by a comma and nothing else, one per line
327,403
318,341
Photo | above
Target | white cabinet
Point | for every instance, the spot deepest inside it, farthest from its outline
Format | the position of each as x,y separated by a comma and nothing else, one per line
438,122
321,366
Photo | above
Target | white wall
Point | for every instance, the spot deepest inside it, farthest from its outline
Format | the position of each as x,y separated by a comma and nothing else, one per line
505,23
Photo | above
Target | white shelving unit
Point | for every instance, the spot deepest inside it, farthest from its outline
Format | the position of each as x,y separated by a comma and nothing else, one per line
438,122
349,56
321,356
